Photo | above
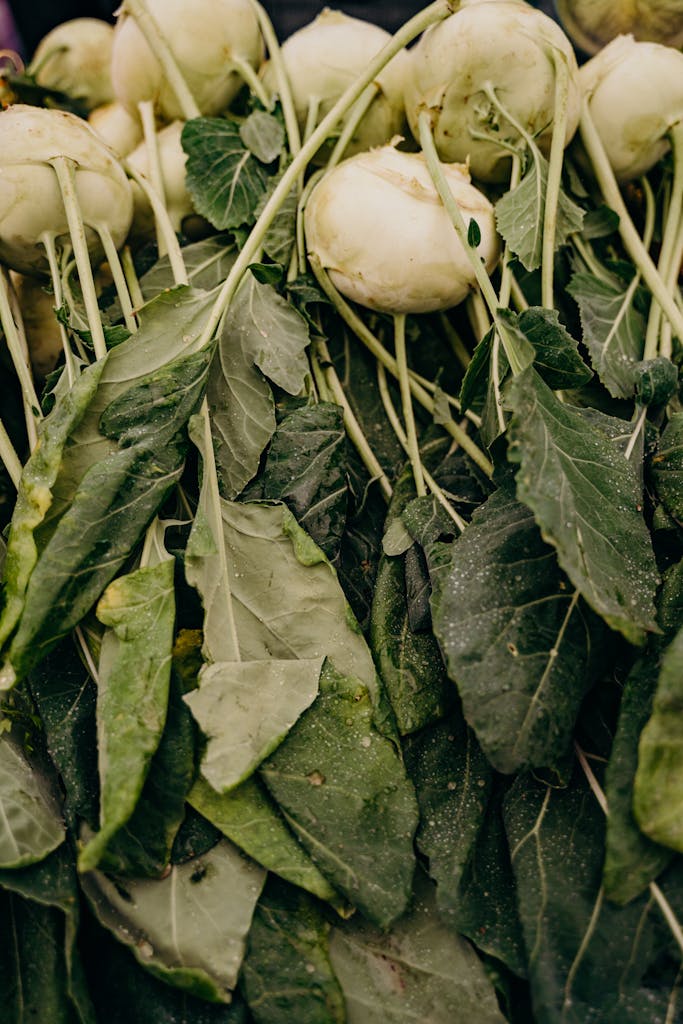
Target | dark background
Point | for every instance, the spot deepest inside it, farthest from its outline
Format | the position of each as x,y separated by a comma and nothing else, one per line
35,18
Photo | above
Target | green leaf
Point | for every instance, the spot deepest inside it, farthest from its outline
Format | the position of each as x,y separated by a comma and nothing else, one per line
520,212
478,392
306,468
134,677
452,780
517,641
272,332
172,926
613,330
587,959
658,787
344,792
280,237
632,860
557,356
586,499
242,412
667,467
223,178
473,234
263,135
287,974
30,825
408,660
249,817
50,885
420,970
245,709
208,263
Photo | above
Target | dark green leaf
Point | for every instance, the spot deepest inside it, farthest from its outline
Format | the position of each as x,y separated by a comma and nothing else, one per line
306,468
517,640
248,817
656,381
632,860
287,974
557,357
30,823
520,212
613,329
587,960
223,178
452,779
473,234
586,499
280,237
344,792
420,970
667,467
172,926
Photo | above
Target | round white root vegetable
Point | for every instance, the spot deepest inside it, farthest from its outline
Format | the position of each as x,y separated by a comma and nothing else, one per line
75,58
172,158
116,126
324,58
30,199
204,36
635,95
503,45
377,225
594,23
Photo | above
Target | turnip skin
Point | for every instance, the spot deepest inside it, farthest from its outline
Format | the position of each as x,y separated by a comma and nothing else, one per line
172,158
324,57
635,97
505,44
75,58
116,126
591,24
202,35
378,227
30,199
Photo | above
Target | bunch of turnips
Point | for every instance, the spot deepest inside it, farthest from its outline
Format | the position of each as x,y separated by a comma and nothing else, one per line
342,516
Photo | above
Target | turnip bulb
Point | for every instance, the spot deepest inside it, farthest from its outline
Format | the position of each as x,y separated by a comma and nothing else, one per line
501,45
31,203
75,58
325,57
172,159
204,36
594,23
377,225
116,126
635,97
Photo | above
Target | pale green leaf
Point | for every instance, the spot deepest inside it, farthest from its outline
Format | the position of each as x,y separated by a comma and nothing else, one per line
30,825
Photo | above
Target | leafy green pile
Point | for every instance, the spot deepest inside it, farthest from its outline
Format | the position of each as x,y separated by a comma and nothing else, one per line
282,739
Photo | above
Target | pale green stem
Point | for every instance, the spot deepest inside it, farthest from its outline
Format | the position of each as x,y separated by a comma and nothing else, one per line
118,276
132,278
311,117
300,210
554,182
355,116
458,221
585,251
32,413
396,426
387,360
48,242
407,402
656,892
477,314
251,78
489,90
506,276
156,178
666,339
324,393
518,296
9,456
351,424
670,233
175,254
495,374
65,169
629,235
455,341
163,53
640,423
281,77
436,11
